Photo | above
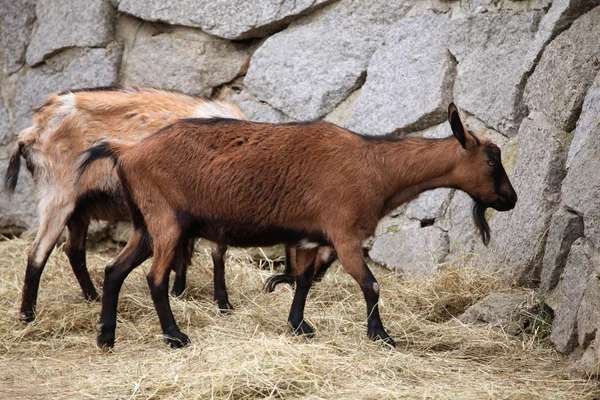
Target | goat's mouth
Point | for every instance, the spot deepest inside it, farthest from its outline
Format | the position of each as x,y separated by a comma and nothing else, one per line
504,202
480,221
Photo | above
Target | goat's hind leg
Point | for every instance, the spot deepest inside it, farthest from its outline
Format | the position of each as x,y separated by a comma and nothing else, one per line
304,272
53,220
183,261
220,288
75,250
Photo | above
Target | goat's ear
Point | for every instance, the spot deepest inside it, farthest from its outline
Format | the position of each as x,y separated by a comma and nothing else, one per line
459,128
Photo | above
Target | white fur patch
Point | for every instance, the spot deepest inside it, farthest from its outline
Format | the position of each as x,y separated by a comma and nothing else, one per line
325,255
68,104
376,287
306,244
215,110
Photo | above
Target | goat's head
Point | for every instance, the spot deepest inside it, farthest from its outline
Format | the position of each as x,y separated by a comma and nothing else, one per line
480,173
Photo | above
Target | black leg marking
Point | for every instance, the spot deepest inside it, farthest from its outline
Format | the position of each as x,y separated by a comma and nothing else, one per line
220,288
75,250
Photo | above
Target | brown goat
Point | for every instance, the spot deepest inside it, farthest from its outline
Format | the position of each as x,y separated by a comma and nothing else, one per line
65,126
303,184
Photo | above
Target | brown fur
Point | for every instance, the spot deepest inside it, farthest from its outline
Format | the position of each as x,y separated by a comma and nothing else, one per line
65,126
245,184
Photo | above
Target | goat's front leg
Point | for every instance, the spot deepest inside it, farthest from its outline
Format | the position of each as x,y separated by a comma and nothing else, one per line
351,257
135,252
304,271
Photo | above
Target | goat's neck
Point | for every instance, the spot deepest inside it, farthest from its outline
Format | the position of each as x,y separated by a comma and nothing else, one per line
412,166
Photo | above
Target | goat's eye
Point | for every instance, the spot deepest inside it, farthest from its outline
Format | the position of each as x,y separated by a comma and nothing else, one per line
492,163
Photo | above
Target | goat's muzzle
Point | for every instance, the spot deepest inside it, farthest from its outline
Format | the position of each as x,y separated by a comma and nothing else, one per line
505,202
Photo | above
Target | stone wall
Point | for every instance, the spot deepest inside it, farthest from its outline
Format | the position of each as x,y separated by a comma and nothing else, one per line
525,73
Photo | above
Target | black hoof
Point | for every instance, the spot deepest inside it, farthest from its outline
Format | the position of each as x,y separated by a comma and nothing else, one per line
275,280
177,339
225,306
106,341
381,335
27,316
302,329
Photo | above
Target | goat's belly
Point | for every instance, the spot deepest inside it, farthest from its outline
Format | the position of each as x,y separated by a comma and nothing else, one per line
246,235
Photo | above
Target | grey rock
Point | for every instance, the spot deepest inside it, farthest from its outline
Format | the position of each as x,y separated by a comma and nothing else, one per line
186,60
63,23
588,364
462,233
588,121
582,184
341,114
506,311
574,280
480,6
565,228
440,131
19,210
6,134
588,314
314,64
414,253
409,79
17,18
222,18
519,236
72,69
565,71
492,66
254,109
430,205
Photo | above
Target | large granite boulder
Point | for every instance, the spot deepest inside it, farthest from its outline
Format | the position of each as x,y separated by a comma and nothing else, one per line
185,59
412,252
572,287
63,23
520,235
309,68
223,18
19,210
430,205
72,69
565,72
582,184
409,79
565,227
492,50
506,311
16,19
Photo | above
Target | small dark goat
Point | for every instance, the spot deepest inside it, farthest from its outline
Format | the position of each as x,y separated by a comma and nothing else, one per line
66,125
302,184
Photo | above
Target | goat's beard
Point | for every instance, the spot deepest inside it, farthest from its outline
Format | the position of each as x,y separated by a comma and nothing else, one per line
480,222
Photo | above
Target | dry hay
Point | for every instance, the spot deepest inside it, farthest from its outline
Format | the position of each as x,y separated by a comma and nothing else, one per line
251,354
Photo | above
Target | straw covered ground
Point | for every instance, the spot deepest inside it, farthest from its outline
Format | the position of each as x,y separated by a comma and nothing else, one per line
250,352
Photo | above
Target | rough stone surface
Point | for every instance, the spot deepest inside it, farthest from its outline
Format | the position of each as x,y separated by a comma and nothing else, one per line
64,23
462,232
309,68
582,184
19,210
185,60
409,79
565,228
588,122
430,205
223,18
520,235
588,315
341,114
6,134
413,252
502,310
492,66
17,19
254,109
73,69
565,71
571,290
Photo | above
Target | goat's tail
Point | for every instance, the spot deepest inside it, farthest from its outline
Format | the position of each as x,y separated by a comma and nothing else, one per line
112,150
12,172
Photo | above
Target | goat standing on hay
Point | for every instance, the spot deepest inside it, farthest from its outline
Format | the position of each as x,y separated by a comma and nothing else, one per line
304,184
66,125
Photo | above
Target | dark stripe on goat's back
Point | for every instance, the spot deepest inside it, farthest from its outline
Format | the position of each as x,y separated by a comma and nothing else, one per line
115,88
